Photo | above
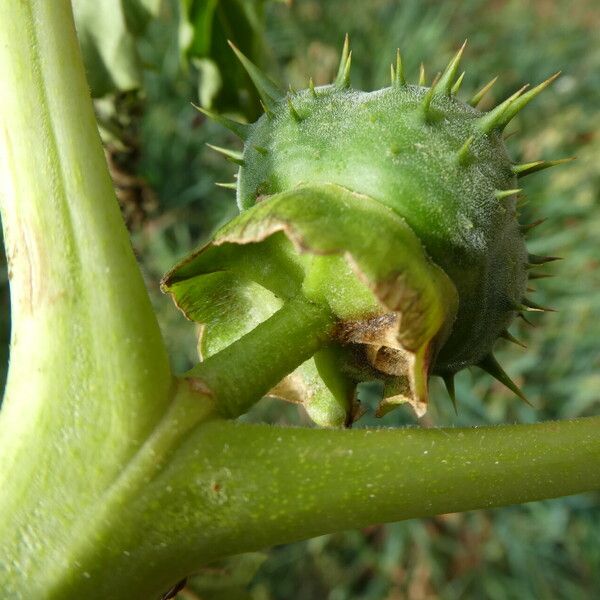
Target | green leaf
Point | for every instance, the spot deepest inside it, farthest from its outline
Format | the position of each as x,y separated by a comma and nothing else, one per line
108,33
210,82
205,26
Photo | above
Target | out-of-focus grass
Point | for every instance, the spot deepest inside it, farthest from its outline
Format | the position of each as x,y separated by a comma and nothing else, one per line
544,550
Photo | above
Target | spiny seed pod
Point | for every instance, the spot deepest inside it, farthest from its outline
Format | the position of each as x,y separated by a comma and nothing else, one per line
397,208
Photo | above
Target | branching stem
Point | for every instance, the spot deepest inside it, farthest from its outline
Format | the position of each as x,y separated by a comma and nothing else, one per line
232,488
243,372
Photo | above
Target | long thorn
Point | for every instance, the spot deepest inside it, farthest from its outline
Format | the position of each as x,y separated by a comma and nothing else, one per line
493,119
527,227
457,84
449,75
261,150
526,320
293,111
399,78
231,155
464,154
426,102
478,97
242,130
227,186
491,366
267,111
342,79
526,98
521,170
531,306
535,260
506,335
501,194
346,80
422,79
535,275
267,89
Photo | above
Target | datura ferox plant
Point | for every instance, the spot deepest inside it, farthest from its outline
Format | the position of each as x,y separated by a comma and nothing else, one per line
377,240
396,209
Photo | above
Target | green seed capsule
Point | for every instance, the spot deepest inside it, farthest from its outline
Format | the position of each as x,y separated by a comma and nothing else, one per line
397,208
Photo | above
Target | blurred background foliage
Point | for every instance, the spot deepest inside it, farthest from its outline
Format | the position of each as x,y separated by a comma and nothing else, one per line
148,60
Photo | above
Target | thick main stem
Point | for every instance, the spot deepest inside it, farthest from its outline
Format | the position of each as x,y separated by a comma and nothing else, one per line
89,376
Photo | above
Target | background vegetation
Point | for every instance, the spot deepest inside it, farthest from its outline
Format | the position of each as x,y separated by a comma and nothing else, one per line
165,175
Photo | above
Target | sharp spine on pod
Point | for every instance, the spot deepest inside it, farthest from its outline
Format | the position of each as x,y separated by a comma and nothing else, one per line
478,97
508,336
526,98
422,79
465,156
521,170
397,71
491,366
242,130
226,185
534,260
342,79
268,90
536,275
448,77
232,155
501,194
267,111
429,115
527,227
456,87
293,112
531,306
526,320
498,118
494,119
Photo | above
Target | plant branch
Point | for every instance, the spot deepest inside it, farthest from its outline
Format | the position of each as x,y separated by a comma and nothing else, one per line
89,376
243,372
233,488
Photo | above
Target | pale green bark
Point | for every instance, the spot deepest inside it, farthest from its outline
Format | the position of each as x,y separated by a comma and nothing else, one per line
89,376
232,488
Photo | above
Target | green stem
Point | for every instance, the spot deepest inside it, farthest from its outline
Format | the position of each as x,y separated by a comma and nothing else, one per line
89,377
232,488
240,374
